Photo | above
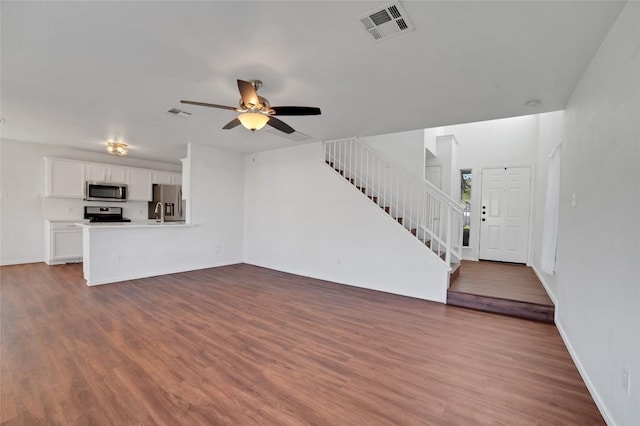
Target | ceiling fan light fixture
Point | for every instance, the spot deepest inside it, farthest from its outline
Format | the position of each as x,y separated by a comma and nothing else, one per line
253,120
117,148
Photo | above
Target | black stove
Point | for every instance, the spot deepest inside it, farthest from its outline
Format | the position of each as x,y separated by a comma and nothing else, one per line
104,214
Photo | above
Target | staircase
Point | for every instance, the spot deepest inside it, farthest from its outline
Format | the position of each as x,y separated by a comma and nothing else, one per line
430,215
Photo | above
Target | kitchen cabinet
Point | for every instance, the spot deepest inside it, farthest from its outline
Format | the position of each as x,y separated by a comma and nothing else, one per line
139,184
105,173
63,242
167,178
64,179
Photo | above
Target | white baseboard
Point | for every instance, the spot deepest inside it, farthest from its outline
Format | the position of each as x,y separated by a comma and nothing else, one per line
546,286
21,261
156,273
585,377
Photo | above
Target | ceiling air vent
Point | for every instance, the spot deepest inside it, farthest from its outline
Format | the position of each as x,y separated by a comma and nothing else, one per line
179,113
385,22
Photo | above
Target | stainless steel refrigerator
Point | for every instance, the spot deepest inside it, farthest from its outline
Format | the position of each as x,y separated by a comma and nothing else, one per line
167,202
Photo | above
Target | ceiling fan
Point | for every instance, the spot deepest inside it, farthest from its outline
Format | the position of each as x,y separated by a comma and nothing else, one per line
256,112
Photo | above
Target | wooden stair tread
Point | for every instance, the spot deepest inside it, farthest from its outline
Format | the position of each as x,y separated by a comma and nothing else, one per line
516,308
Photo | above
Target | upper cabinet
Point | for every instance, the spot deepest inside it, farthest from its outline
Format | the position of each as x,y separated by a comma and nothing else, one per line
105,173
139,184
64,179
167,178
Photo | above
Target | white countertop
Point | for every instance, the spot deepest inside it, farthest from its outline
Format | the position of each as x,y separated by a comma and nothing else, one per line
134,224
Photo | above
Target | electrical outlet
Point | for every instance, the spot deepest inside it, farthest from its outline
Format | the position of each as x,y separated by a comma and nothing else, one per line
70,210
574,202
626,381
218,248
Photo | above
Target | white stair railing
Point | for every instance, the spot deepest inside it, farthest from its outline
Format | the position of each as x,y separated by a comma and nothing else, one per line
422,208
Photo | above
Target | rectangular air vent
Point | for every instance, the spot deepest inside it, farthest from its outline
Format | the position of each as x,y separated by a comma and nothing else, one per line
387,21
179,113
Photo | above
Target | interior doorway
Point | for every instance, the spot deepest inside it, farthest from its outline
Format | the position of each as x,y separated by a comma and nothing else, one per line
504,214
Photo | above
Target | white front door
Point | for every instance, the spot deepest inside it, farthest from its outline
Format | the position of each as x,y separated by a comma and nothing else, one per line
504,214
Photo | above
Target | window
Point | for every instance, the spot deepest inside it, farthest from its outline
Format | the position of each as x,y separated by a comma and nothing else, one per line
465,198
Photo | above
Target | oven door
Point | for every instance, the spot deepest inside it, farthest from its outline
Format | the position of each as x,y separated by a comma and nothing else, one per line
104,191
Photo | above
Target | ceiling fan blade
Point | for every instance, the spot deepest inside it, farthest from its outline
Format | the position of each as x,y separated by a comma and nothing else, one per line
295,110
233,123
280,125
248,94
208,105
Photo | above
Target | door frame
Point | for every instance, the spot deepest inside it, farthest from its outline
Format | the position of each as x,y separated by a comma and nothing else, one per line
477,207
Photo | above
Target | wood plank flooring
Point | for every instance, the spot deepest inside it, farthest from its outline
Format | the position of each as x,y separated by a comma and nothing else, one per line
245,345
504,280
503,288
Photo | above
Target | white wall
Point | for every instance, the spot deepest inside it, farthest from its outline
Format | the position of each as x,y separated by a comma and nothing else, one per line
404,148
598,287
507,141
430,139
22,206
302,217
217,199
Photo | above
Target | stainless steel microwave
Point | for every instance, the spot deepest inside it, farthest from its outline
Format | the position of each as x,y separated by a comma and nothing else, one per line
105,191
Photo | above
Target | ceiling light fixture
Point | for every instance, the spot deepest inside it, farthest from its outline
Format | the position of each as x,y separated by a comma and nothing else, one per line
117,148
253,120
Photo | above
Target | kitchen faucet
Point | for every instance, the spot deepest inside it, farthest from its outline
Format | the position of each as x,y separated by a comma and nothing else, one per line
160,210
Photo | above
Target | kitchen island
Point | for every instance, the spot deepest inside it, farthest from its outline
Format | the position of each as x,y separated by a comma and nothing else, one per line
114,252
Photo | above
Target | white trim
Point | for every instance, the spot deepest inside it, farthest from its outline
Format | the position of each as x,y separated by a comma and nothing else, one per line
157,273
545,285
442,299
21,261
585,377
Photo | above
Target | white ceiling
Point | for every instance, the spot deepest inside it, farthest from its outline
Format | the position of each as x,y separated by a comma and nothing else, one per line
79,73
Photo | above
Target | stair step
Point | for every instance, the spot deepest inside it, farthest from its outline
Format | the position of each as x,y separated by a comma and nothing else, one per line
373,198
351,180
532,311
386,209
455,273
414,231
364,190
399,219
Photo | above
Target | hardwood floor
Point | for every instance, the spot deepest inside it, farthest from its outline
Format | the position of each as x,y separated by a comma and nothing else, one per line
245,345
503,288
504,280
